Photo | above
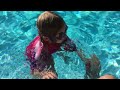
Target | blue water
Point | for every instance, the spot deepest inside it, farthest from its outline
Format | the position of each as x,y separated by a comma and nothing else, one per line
94,31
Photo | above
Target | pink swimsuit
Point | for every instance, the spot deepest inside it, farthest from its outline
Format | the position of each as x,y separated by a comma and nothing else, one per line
34,49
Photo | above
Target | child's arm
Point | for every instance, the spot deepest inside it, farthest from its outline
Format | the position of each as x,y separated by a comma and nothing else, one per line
82,55
65,58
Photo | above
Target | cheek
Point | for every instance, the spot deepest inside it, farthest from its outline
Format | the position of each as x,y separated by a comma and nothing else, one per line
60,41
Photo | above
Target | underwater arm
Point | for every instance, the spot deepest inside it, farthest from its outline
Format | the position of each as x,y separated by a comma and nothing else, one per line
63,57
44,68
82,55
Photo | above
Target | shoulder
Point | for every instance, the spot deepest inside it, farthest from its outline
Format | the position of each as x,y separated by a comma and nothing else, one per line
31,48
34,42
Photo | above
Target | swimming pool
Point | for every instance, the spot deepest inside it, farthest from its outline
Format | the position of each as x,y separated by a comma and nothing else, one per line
94,31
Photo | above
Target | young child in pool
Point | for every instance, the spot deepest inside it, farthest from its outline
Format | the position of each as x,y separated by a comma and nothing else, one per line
52,35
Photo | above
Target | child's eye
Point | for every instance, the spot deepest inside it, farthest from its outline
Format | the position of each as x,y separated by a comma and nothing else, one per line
61,35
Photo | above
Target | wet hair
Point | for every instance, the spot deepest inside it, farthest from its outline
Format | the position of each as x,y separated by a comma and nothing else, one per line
49,24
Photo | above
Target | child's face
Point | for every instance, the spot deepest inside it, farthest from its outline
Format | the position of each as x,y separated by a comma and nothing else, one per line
61,35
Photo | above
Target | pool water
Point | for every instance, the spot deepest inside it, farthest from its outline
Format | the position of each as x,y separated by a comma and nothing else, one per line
94,31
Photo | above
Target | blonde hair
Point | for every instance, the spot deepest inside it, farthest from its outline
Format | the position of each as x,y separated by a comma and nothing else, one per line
49,23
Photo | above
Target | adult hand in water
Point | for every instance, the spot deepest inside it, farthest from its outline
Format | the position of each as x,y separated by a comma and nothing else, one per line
45,74
49,75
92,65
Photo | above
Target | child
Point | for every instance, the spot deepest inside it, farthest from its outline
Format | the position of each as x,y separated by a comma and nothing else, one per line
52,35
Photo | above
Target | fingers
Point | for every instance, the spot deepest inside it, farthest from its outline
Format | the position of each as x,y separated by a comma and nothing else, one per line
45,77
49,75
54,75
